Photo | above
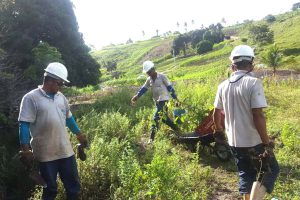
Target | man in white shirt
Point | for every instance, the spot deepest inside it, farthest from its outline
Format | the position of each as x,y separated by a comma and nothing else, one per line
44,115
242,99
161,87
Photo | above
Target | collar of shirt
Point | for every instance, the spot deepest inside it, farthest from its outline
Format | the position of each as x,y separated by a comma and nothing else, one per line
157,76
237,74
48,95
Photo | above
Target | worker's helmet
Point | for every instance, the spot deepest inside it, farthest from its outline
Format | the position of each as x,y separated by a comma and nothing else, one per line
58,71
147,65
240,53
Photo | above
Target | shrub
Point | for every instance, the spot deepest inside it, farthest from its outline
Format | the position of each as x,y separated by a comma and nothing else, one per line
272,57
244,40
204,46
290,137
270,18
261,34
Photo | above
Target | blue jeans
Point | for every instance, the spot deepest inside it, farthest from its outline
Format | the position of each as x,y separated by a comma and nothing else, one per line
248,172
67,170
161,112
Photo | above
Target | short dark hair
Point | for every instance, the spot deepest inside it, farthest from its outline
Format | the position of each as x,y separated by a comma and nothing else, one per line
243,64
48,78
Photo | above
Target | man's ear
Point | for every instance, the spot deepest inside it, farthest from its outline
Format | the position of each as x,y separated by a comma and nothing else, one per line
233,67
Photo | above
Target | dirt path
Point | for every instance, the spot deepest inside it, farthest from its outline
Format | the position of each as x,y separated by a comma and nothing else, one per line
226,186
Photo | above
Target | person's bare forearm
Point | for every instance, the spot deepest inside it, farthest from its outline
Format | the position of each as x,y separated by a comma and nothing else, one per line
217,119
260,124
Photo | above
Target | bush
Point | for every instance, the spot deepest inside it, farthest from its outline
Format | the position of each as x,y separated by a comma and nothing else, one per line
270,18
261,34
244,40
290,137
204,46
272,57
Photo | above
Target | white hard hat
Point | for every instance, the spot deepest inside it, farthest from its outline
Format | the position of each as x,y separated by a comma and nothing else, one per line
147,65
57,70
243,52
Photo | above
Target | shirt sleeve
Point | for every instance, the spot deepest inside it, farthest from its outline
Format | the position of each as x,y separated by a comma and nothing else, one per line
142,91
28,109
166,80
24,132
68,111
171,89
258,99
71,124
218,100
147,83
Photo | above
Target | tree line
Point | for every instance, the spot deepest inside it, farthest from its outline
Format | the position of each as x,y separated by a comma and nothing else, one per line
201,39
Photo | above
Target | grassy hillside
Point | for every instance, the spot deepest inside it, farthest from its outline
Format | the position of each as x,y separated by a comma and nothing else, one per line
130,57
121,166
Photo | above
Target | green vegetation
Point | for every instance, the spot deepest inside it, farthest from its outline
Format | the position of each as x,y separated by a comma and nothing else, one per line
272,57
25,24
195,79
204,46
121,166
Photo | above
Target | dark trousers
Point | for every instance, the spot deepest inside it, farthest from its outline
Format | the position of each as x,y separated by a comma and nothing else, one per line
68,173
161,112
248,169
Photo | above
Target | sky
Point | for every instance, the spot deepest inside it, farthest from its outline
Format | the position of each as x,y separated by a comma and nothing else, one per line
105,22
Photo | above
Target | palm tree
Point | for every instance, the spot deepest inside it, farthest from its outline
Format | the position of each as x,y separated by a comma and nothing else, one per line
193,24
185,25
272,57
223,21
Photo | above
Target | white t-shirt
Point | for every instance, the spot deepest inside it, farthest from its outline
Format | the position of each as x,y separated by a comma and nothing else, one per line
237,100
159,87
47,117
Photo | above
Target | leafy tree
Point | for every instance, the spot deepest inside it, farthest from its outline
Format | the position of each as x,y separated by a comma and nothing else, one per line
272,57
43,54
110,65
24,23
261,34
223,20
143,32
129,41
179,44
208,36
204,46
196,37
296,6
270,18
185,25
156,32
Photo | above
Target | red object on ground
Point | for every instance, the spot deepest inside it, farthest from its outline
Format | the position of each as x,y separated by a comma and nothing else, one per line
207,124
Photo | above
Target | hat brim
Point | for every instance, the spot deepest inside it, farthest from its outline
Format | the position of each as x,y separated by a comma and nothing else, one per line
55,77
